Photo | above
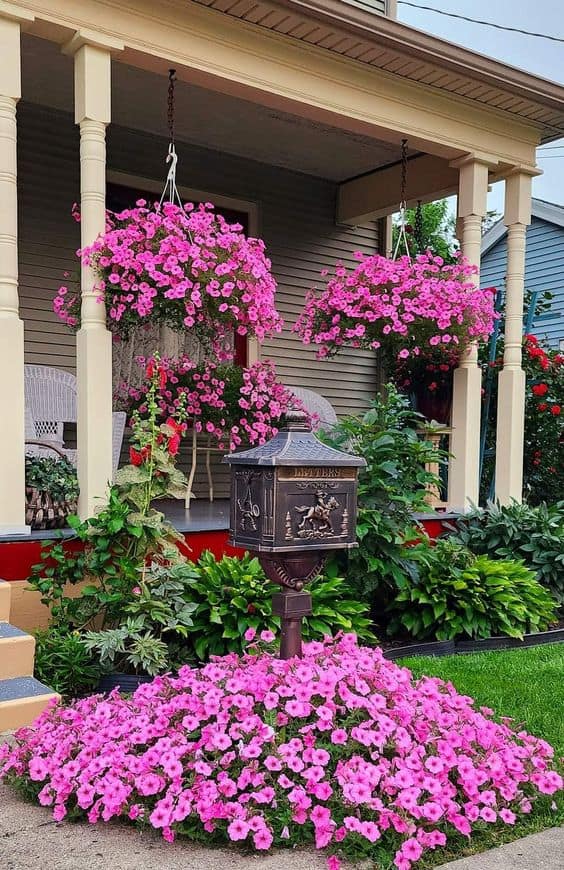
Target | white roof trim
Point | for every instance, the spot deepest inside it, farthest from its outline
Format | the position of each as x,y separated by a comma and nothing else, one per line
544,211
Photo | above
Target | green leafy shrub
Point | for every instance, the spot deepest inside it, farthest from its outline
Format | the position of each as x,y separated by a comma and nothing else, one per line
519,531
63,663
233,595
458,594
158,617
391,488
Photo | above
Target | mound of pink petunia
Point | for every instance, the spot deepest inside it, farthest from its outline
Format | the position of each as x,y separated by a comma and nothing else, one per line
341,749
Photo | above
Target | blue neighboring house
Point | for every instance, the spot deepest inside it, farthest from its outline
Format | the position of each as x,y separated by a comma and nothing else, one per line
544,264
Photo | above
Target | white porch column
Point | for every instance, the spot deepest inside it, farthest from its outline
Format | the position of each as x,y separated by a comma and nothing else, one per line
12,454
92,97
511,384
463,477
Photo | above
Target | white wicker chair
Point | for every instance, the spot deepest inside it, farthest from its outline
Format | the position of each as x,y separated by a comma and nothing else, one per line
316,404
51,401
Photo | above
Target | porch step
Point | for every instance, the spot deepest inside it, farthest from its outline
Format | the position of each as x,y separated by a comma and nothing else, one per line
17,651
22,699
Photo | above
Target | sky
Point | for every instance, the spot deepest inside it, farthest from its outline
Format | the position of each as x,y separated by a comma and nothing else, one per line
540,56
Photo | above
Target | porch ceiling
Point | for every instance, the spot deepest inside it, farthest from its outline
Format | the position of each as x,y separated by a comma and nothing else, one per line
208,118
379,41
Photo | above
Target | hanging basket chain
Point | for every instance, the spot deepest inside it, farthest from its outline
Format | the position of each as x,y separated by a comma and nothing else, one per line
418,228
402,235
170,113
170,191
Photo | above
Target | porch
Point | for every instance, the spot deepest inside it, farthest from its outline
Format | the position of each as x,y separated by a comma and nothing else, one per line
303,141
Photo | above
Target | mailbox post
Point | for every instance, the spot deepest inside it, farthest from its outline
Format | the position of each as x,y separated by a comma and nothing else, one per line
293,500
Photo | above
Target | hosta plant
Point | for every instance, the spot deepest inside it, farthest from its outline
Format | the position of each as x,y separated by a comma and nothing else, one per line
533,534
457,594
341,749
234,598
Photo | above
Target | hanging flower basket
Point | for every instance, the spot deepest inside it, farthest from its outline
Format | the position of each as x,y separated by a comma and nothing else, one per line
182,267
230,404
420,314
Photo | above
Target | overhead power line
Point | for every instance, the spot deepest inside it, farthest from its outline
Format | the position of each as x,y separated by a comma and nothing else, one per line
479,21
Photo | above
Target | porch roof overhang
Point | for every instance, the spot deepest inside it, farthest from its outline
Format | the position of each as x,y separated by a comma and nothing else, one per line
336,66
409,53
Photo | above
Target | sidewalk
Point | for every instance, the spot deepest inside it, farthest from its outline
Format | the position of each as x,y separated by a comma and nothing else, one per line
30,839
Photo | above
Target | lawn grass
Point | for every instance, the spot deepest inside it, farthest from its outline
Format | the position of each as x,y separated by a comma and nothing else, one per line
526,684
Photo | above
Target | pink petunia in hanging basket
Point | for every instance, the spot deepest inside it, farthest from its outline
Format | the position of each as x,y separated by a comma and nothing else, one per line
418,312
233,406
182,267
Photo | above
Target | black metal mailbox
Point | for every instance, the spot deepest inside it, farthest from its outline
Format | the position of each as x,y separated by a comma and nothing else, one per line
293,500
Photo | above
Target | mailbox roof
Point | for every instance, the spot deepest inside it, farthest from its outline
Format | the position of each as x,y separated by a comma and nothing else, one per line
295,446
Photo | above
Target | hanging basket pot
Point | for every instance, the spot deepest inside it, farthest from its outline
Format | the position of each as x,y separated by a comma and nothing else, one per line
434,404
44,512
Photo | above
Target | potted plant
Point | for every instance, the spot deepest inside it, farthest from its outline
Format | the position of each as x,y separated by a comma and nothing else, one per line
231,404
51,490
182,267
423,315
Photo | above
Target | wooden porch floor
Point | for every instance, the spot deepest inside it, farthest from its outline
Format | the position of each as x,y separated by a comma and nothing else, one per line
203,516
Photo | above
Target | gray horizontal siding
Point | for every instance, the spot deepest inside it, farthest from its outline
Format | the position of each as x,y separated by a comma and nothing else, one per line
296,222
48,184
544,270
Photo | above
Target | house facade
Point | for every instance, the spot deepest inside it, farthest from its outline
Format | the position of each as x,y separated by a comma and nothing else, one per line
290,114
544,265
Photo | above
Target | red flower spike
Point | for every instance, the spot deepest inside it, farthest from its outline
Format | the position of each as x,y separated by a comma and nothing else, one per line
134,457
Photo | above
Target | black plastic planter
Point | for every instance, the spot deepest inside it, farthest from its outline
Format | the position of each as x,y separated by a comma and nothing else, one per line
126,683
449,647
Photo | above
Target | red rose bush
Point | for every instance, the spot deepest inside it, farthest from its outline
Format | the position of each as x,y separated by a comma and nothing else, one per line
341,749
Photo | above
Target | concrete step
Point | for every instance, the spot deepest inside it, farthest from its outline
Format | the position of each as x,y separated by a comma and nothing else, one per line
17,651
4,601
22,699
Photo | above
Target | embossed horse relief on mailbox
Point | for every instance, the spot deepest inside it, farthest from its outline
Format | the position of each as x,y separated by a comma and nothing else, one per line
293,500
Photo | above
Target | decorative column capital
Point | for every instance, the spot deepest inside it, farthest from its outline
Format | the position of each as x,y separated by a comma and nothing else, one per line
94,39
10,50
472,159
518,186
473,178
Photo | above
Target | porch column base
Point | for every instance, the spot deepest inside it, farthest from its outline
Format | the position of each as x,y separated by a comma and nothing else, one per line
94,427
510,437
463,476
